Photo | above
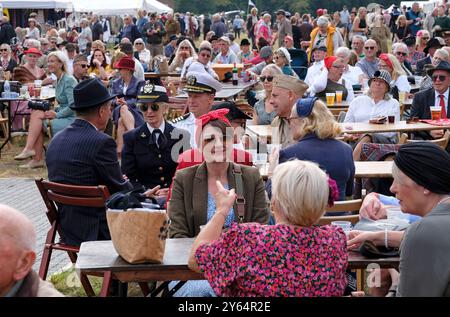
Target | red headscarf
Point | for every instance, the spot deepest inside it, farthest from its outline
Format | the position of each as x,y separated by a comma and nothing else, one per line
218,114
329,61
203,120
384,57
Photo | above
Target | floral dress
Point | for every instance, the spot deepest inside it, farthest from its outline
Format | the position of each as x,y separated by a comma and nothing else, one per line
281,260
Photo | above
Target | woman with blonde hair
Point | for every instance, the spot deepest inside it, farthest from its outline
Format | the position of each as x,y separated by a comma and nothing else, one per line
402,31
60,117
422,38
32,30
314,128
184,51
263,112
360,26
295,257
399,79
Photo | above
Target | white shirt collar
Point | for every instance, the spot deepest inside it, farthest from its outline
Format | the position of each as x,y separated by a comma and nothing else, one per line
161,127
445,94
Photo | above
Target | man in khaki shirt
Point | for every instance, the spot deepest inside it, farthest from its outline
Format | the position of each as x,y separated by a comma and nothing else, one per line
285,92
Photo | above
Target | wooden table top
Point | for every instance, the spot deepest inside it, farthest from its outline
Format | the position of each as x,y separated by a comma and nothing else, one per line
364,169
100,256
149,75
399,126
371,169
241,85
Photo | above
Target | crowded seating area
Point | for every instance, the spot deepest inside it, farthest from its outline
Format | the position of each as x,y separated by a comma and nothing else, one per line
270,154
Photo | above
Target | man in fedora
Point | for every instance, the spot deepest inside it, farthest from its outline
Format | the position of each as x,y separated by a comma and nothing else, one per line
432,45
437,96
82,154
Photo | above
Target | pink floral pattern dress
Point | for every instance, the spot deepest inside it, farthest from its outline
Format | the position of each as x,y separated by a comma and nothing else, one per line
281,260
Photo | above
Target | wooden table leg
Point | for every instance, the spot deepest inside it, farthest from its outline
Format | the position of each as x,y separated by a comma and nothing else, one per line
107,278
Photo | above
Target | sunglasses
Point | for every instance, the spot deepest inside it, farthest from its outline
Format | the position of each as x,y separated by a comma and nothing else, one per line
425,38
401,53
139,43
144,107
205,55
83,65
263,78
3,50
369,47
440,77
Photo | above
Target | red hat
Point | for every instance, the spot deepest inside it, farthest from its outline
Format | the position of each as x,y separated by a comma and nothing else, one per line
125,62
319,12
329,61
33,50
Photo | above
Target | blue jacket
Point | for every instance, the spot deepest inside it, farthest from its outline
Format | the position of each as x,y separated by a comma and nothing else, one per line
81,155
333,156
146,164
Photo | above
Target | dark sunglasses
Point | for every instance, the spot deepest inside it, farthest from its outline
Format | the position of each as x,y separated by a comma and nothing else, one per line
139,43
263,78
83,65
205,55
144,106
440,77
369,47
425,38
401,53
3,50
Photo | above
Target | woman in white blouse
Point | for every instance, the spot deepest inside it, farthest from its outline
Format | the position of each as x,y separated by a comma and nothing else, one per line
378,102
32,30
143,54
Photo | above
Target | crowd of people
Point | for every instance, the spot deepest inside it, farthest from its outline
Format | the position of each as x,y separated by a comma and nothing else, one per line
110,128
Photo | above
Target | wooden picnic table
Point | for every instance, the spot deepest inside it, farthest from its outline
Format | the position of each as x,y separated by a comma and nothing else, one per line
399,126
363,169
373,169
100,257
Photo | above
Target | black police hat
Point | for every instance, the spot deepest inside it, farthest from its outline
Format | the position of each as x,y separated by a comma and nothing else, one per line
90,93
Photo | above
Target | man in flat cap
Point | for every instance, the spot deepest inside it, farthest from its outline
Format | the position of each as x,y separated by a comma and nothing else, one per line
82,154
285,92
284,28
201,88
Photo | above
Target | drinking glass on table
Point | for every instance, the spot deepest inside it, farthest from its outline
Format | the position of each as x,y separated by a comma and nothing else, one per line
330,98
401,97
339,96
435,113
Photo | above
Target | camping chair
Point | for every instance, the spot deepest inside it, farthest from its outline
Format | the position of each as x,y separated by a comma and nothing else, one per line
299,62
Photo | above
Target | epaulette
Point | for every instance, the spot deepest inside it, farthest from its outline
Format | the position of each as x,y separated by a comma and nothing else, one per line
180,118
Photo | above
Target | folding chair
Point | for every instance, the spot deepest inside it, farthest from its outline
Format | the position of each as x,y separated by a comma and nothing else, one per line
442,142
52,193
85,196
299,62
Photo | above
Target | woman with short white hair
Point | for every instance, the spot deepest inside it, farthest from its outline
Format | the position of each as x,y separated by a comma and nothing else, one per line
7,63
352,74
282,59
295,257
263,112
142,54
60,117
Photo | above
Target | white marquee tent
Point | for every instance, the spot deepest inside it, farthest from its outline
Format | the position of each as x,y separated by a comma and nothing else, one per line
119,7
36,4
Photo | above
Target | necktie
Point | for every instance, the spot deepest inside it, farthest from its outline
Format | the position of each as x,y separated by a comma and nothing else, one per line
160,140
442,105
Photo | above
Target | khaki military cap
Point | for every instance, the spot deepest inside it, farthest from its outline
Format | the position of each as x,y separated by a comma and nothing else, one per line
290,83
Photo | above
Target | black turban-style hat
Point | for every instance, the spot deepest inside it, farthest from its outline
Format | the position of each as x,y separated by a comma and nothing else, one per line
426,164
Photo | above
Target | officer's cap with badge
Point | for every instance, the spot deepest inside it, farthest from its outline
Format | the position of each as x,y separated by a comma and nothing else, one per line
201,82
152,93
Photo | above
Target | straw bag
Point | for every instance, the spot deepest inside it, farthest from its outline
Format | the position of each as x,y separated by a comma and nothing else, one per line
138,234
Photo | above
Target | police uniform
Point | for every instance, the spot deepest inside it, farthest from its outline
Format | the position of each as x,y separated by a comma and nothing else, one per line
147,153
197,82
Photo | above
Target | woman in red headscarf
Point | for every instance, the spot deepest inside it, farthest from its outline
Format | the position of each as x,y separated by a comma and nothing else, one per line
330,80
192,204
